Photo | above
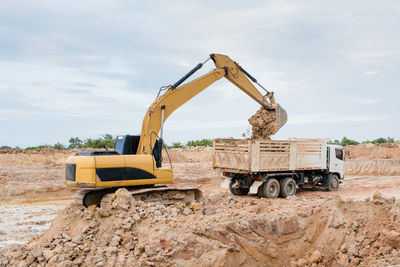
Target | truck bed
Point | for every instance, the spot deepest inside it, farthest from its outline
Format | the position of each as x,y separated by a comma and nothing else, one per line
251,156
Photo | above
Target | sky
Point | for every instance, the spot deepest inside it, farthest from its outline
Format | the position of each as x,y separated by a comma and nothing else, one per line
86,68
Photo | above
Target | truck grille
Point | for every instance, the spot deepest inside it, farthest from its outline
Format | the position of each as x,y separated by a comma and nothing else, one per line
70,170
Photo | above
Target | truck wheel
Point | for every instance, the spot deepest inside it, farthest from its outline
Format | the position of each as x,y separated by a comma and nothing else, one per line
270,189
288,187
240,191
333,183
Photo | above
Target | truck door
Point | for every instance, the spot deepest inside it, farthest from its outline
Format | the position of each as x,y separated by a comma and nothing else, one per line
336,160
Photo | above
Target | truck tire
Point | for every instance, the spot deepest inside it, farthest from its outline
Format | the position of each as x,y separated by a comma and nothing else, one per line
270,188
333,183
288,187
240,191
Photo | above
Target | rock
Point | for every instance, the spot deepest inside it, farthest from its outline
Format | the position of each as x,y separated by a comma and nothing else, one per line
30,259
384,250
136,217
123,199
315,257
66,263
355,261
126,238
150,250
195,206
392,238
37,251
47,254
378,199
66,236
111,250
290,225
186,211
22,264
209,210
103,212
115,241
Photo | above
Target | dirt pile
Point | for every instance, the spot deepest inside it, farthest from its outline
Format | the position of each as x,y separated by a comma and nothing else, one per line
45,157
188,154
220,231
374,151
261,123
372,167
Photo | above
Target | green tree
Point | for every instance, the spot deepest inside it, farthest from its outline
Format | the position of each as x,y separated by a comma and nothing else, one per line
383,140
202,142
104,140
176,145
58,146
75,142
346,141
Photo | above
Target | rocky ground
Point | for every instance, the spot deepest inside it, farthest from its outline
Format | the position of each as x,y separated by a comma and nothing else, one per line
357,225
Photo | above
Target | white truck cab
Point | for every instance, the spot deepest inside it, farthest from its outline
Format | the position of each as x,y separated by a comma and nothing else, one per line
335,160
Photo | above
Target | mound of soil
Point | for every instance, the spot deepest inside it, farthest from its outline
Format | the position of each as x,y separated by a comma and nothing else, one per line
374,151
372,167
220,231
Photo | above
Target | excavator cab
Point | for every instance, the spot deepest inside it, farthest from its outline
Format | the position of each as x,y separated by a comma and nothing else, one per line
128,145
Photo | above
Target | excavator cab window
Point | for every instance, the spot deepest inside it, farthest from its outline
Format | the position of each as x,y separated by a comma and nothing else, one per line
127,144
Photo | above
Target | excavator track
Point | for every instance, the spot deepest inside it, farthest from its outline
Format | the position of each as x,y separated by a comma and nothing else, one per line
160,193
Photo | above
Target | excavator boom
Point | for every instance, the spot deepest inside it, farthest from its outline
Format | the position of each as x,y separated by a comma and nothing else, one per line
175,96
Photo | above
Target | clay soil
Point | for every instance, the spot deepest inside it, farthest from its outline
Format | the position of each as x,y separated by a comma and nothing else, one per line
356,225
262,126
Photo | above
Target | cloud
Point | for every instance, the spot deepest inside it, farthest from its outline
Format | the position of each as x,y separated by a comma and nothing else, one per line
99,64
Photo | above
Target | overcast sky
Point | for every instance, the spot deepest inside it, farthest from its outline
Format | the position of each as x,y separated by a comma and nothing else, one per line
85,68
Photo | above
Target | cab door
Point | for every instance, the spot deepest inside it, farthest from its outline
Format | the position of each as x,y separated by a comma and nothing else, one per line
336,160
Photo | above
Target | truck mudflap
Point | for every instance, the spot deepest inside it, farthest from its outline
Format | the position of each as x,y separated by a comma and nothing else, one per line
254,187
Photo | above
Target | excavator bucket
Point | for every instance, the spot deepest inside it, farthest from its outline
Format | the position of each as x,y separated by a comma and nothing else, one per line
267,121
280,118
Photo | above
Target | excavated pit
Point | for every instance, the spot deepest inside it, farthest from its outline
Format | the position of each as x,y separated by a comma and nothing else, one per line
220,231
262,124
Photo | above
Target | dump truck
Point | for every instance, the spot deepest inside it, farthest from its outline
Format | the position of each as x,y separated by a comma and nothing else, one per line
273,168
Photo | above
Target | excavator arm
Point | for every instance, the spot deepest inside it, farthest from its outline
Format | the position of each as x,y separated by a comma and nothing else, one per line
176,95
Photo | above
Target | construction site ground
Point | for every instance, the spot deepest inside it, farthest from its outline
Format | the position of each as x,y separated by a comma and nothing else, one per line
358,224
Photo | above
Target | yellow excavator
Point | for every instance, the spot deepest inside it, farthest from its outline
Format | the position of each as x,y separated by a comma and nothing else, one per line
136,161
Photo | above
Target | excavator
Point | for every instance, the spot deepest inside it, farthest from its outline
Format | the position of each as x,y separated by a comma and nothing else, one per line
136,161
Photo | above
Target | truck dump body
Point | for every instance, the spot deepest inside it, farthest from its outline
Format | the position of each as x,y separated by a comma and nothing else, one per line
253,156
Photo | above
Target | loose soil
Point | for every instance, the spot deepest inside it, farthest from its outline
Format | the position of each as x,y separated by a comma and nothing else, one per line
262,124
356,225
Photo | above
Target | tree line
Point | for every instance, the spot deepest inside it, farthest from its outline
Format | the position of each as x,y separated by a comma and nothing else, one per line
109,141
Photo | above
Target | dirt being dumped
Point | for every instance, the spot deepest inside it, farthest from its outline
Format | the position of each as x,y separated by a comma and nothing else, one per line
220,231
261,122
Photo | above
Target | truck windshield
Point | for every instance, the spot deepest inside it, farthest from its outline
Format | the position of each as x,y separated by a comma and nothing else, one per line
339,153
